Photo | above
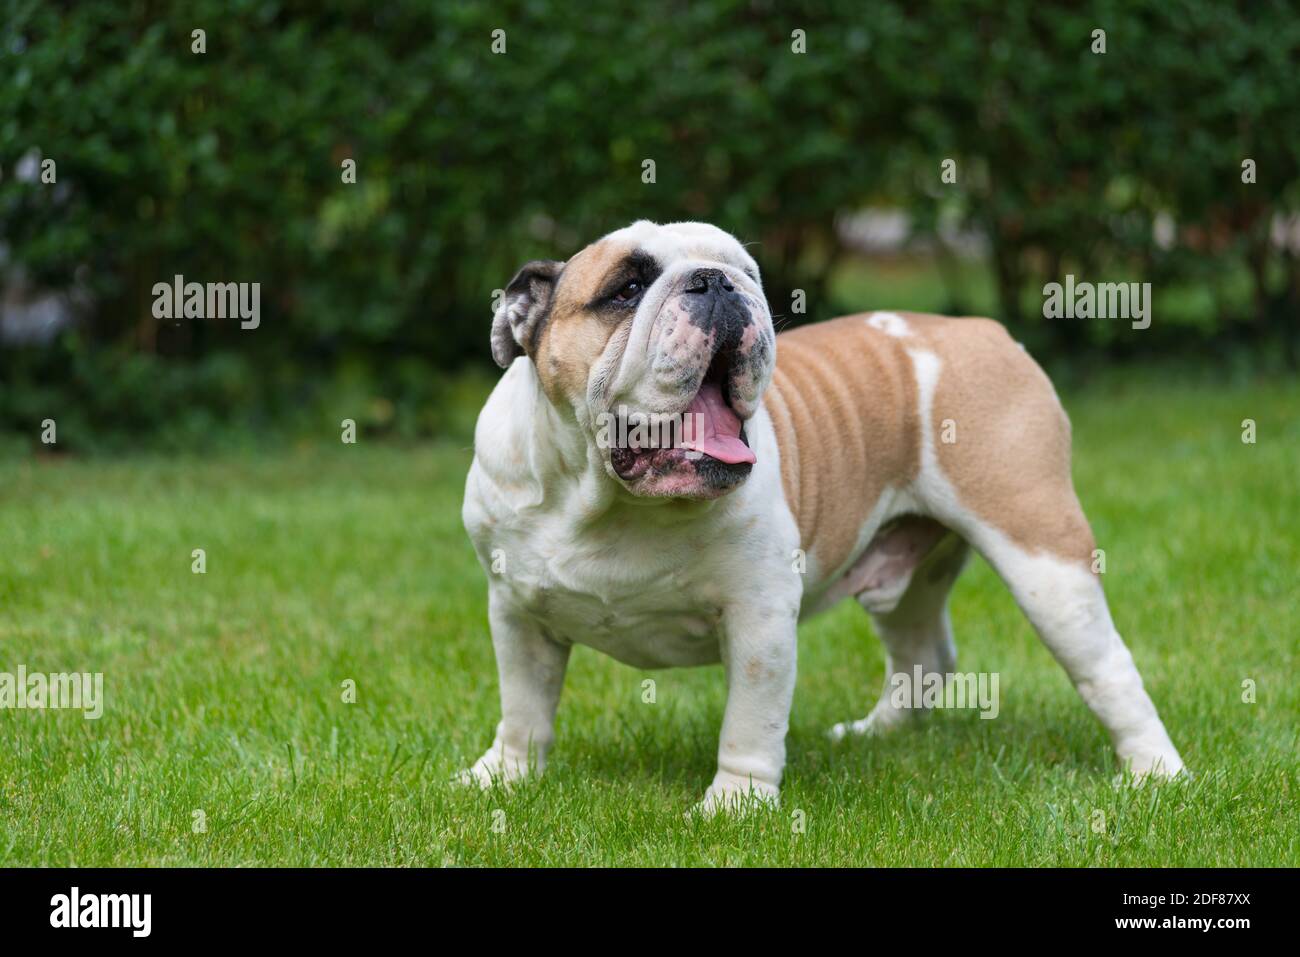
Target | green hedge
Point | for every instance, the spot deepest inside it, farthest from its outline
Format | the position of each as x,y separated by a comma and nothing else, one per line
225,166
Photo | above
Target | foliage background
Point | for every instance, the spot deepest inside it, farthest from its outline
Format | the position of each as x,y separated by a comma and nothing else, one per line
330,562
225,166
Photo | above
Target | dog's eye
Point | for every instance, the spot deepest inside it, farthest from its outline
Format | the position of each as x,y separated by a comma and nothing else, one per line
628,292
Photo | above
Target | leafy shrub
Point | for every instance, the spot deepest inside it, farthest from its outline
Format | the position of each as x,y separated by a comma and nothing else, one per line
225,166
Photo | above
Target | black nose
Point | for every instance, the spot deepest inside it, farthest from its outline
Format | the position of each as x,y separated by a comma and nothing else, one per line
717,308
709,280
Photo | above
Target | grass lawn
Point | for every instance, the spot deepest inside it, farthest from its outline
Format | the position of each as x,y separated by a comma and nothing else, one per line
329,563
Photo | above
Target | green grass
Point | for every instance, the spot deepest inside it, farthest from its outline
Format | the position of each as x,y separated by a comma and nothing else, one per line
348,562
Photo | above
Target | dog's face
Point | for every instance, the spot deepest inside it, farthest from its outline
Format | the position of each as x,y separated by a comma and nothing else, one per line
659,342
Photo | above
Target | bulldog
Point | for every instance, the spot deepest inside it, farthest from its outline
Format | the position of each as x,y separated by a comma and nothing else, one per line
861,460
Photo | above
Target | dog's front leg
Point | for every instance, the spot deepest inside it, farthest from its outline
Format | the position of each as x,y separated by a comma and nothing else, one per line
531,670
759,655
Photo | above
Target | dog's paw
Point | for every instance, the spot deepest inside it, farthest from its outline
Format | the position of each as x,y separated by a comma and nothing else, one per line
732,794
883,720
1149,757
494,770
1156,766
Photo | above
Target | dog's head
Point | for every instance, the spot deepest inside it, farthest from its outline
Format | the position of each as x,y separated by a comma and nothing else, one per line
658,341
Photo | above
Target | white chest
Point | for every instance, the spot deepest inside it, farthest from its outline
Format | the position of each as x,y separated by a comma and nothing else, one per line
651,601
649,583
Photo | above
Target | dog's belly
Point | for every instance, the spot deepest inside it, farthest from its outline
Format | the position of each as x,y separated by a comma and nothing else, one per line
642,631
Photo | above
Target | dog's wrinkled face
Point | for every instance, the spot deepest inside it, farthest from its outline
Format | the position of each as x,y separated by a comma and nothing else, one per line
659,340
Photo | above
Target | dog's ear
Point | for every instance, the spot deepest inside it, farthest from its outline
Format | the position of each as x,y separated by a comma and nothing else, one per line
523,310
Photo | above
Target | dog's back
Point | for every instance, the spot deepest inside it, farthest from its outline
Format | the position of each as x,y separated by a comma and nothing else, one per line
878,402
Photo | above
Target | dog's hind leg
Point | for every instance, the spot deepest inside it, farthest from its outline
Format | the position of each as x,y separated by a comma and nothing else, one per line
905,577
995,467
1064,601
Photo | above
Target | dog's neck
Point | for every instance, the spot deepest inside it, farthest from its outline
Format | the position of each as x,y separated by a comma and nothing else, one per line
546,455
556,443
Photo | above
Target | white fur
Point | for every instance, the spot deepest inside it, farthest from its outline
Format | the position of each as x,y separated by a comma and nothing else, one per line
651,584
572,558
890,323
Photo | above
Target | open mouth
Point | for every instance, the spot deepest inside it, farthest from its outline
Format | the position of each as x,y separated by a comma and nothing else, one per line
708,434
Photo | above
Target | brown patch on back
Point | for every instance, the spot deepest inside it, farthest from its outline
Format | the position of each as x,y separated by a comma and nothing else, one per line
1010,463
843,405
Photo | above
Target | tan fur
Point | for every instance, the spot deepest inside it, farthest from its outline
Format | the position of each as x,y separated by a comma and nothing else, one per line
844,406
887,512
572,338
843,403
1011,461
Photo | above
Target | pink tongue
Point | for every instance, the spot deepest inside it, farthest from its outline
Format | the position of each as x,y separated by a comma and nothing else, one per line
712,428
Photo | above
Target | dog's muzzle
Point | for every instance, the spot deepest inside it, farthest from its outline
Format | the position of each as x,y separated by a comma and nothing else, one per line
712,349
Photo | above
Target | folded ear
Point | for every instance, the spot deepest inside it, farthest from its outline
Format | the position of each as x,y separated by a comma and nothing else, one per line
523,310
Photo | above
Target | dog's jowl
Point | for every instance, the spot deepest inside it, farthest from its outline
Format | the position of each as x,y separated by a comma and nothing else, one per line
879,448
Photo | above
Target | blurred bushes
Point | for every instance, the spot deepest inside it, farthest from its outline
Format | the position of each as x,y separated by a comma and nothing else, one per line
226,166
